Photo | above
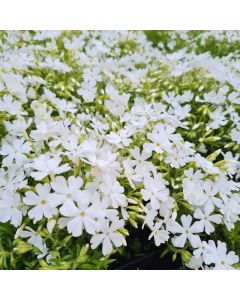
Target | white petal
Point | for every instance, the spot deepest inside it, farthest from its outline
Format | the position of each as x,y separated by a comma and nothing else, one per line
209,228
186,221
90,225
215,219
49,211
16,217
59,185
177,228
36,213
148,147
83,199
107,246
96,240
75,226
194,240
69,209
31,198
180,241
116,238
50,225
146,194
39,175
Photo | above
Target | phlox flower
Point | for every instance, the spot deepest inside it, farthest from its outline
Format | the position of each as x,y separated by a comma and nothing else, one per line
155,191
159,142
15,150
109,236
10,208
66,189
187,232
217,255
84,213
206,218
160,235
47,166
113,192
10,106
43,201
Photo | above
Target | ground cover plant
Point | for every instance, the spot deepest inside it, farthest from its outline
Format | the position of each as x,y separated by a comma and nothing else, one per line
107,133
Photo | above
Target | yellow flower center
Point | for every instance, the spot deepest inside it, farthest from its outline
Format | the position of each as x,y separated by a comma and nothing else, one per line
82,213
43,201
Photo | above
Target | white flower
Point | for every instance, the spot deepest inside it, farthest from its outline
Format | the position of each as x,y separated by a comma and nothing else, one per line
119,138
14,150
55,63
218,118
166,207
172,97
108,236
113,192
105,163
42,112
210,189
10,106
187,232
232,162
35,240
205,164
207,219
235,135
198,192
230,209
139,159
195,263
66,189
117,103
129,172
98,125
200,250
155,191
83,214
15,86
10,208
44,203
88,90
192,176
149,218
45,130
18,127
143,168
12,179
160,142
137,169
218,256
160,235
47,166
84,151
180,155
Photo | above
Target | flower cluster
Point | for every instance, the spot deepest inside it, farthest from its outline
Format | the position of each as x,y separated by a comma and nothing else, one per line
104,132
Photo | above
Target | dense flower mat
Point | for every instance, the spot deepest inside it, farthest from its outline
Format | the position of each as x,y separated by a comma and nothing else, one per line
103,132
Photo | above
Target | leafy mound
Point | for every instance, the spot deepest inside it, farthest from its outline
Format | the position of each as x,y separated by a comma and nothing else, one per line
105,132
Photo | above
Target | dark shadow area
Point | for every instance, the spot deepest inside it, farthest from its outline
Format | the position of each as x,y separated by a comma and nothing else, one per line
142,254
